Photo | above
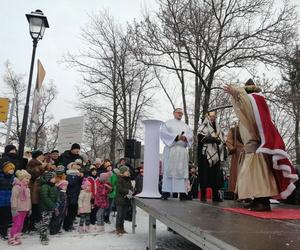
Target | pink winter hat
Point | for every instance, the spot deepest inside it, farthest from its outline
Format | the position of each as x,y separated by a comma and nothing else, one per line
85,184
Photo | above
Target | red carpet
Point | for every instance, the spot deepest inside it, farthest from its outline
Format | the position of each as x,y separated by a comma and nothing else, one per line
279,214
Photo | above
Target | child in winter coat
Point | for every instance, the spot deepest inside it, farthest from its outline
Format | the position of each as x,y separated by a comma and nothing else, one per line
84,206
101,198
20,205
7,170
74,177
123,196
49,203
93,179
56,221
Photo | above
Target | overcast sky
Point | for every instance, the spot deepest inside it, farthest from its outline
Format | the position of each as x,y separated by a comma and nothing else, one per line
65,17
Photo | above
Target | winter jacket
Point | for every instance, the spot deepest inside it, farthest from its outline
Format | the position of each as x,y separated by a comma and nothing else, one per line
20,196
101,198
36,169
84,202
67,157
93,180
123,187
113,180
74,186
6,181
49,196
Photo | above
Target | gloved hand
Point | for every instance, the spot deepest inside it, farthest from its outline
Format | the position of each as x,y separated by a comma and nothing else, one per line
81,210
14,212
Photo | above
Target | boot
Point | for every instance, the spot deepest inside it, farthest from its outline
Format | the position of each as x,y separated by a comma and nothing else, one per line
81,229
100,229
119,231
261,204
87,229
18,238
165,195
183,196
122,230
13,242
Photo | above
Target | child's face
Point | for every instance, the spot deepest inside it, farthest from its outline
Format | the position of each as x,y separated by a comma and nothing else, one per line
126,173
11,171
26,180
75,166
109,168
94,173
53,180
192,170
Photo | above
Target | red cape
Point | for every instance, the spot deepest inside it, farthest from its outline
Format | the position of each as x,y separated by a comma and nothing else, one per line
272,144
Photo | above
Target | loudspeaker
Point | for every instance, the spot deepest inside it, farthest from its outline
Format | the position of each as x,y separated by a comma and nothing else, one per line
129,148
137,150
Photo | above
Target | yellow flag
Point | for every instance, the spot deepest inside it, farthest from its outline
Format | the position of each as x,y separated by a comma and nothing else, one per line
4,106
40,75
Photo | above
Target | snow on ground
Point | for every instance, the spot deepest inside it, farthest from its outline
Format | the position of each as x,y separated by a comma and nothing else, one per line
108,240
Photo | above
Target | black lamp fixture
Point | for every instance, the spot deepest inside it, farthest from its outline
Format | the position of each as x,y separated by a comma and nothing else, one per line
37,25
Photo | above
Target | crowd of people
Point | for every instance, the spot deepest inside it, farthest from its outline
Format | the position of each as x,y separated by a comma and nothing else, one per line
46,192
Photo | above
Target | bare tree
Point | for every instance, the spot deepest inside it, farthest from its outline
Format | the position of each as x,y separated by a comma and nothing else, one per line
115,85
206,38
14,89
47,97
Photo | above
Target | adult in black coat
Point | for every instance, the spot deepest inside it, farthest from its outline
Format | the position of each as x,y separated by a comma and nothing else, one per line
70,155
10,154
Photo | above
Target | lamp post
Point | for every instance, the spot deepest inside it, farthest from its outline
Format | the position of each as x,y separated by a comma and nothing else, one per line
37,25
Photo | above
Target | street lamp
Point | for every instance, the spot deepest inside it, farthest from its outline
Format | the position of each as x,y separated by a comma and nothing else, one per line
37,25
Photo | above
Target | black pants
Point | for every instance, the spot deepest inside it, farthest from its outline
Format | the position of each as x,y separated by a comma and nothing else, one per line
121,214
71,215
84,219
93,217
5,219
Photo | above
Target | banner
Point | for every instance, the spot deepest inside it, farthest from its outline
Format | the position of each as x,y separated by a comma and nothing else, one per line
40,76
4,106
37,93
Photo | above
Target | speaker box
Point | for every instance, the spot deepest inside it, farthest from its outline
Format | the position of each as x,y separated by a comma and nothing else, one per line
129,148
137,150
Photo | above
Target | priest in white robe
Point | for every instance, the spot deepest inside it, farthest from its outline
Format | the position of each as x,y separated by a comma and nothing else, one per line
177,137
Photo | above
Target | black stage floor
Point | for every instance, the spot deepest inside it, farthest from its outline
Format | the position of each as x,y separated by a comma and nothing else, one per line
219,229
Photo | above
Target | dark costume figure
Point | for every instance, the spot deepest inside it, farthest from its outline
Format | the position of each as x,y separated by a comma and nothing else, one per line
210,156
235,147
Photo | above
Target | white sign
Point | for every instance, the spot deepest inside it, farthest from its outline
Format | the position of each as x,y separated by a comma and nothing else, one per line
70,131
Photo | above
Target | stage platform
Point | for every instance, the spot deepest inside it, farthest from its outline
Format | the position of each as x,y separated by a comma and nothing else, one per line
210,227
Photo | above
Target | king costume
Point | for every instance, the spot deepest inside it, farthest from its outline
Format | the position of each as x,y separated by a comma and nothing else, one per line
175,156
266,170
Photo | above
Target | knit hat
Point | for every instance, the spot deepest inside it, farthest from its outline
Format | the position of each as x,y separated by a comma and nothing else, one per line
21,174
9,148
123,169
85,184
78,161
60,170
36,154
104,176
75,146
7,166
49,175
54,151
98,161
93,167
62,183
